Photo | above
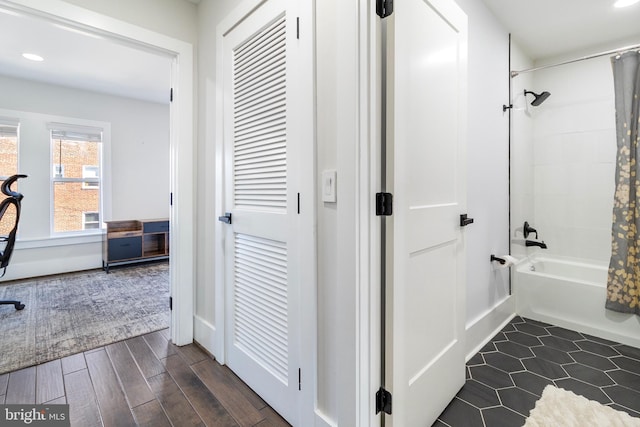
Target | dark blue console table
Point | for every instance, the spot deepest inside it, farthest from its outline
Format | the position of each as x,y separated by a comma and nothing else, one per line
133,241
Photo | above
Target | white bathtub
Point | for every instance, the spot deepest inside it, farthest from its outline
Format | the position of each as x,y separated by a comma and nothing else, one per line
571,294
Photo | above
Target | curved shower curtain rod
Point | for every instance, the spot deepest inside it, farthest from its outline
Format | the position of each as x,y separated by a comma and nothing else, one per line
595,55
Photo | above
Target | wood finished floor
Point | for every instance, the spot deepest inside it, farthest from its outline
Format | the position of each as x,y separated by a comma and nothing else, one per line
144,381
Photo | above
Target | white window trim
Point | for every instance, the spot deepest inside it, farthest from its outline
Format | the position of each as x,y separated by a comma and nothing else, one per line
83,126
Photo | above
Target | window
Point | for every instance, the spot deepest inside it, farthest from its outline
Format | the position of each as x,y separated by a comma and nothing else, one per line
58,171
76,158
90,220
8,165
92,177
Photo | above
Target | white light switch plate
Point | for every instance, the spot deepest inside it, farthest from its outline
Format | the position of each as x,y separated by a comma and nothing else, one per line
329,186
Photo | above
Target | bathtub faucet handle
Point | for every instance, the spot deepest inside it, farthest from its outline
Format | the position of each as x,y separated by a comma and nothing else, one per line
527,229
500,260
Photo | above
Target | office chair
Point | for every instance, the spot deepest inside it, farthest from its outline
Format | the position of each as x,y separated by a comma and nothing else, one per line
13,198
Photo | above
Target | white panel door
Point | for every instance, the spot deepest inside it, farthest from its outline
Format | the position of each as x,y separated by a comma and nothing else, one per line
263,144
426,109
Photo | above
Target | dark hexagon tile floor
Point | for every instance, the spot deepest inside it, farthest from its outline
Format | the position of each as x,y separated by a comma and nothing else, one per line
507,376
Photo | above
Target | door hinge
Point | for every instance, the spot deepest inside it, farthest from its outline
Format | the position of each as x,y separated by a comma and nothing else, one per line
384,8
384,204
171,95
299,379
170,303
383,401
298,28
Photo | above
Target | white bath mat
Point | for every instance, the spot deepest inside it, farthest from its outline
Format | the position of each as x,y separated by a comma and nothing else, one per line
561,408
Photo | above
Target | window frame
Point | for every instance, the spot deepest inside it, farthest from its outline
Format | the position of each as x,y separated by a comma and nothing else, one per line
73,130
15,123
6,122
55,168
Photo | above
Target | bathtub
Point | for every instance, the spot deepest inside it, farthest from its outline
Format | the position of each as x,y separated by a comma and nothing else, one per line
571,294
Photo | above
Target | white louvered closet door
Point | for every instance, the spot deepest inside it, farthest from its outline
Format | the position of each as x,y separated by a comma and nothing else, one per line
261,252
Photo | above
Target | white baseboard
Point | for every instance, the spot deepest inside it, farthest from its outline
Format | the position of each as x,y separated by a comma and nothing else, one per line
51,264
205,334
487,326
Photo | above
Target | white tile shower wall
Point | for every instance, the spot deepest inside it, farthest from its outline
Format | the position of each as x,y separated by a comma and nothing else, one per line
574,149
522,154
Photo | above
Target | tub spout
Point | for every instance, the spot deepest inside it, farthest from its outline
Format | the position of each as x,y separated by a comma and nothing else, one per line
540,244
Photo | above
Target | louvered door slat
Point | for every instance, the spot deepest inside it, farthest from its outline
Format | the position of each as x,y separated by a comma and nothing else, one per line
259,94
267,101
265,63
260,44
264,117
260,298
248,115
267,80
268,128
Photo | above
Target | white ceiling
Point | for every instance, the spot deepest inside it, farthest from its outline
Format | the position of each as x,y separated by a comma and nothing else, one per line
543,28
82,60
548,28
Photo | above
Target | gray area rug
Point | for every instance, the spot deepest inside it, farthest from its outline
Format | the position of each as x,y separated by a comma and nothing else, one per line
71,313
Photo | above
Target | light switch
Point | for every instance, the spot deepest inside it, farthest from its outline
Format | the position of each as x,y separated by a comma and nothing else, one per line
329,186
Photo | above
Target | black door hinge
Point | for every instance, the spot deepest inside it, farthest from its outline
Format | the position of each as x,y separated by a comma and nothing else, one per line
171,95
384,8
299,379
384,204
170,303
383,401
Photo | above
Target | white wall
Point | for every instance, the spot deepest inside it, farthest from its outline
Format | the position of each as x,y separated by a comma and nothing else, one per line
138,177
574,155
175,18
522,178
210,14
329,292
488,304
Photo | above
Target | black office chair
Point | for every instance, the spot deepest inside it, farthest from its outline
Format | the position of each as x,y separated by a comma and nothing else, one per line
13,198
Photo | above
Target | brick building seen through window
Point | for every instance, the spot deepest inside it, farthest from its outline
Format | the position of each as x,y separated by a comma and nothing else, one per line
76,185
8,167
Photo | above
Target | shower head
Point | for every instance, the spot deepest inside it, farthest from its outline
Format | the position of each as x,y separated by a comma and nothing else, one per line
539,98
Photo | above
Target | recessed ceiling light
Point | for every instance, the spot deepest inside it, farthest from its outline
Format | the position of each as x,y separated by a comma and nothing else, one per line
32,57
625,3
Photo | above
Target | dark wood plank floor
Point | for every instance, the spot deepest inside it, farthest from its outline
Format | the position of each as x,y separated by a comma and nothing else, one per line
144,381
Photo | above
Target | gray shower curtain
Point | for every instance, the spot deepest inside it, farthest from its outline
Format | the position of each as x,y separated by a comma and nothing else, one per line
623,286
